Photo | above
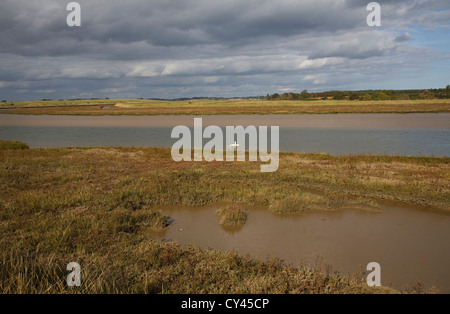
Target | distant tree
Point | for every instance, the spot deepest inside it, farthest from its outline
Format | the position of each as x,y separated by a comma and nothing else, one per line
304,94
426,94
367,97
403,97
383,96
338,95
447,91
289,96
354,96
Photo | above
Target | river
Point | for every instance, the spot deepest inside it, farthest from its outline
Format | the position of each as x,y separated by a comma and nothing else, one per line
389,134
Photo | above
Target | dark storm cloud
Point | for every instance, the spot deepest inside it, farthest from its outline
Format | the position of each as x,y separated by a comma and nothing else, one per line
165,23
403,37
139,47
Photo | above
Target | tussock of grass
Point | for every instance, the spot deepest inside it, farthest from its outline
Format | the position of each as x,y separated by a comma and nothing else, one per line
305,202
298,203
13,145
131,221
231,216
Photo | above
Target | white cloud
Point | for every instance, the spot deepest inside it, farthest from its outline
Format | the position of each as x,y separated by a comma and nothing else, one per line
315,79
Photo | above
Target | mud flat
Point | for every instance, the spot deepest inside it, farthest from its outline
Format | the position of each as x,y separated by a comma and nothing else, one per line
410,245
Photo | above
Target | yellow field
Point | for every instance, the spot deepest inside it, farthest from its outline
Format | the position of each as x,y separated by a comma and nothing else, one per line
226,106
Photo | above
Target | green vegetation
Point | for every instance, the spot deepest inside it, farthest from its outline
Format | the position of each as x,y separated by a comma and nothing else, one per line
368,95
96,207
13,145
231,216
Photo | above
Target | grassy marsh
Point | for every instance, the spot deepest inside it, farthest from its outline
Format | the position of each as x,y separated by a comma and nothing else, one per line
225,106
94,205
12,145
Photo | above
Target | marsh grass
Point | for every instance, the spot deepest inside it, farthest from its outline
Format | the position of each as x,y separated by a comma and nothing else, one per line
302,202
13,145
93,206
226,106
231,216
131,221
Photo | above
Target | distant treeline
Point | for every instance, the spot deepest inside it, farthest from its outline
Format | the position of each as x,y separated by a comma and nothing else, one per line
366,95
362,95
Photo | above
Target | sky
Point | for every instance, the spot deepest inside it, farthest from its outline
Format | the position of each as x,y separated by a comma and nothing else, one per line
219,48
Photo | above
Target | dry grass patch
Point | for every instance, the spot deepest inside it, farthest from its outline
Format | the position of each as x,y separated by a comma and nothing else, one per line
13,145
298,203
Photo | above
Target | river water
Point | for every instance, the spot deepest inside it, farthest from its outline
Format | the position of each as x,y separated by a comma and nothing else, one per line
390,134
